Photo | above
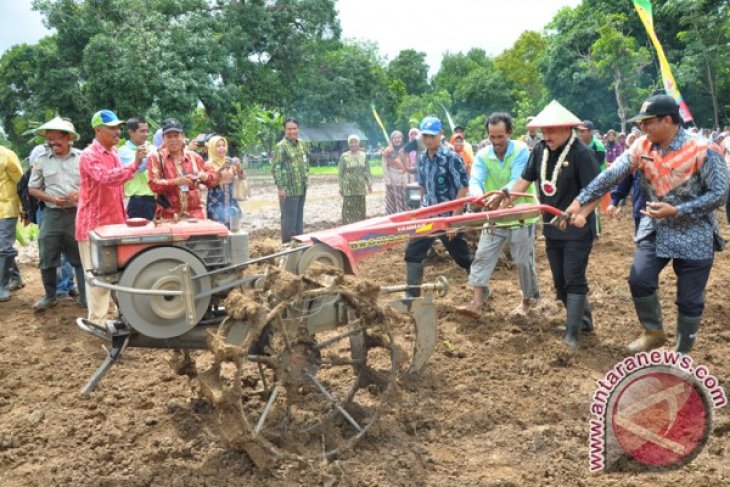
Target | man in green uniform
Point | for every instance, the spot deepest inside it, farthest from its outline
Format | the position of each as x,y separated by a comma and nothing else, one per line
290,168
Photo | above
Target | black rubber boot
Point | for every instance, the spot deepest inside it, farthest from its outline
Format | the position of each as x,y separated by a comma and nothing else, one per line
414,277
687,327
575,306
80,285
48,276
649,312
5,263
15,281
587,322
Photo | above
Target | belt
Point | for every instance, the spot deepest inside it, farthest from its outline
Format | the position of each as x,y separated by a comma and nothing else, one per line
65,208
147,197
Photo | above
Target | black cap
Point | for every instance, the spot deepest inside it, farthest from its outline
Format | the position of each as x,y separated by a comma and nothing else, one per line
657,105
171,125
586,125
458,127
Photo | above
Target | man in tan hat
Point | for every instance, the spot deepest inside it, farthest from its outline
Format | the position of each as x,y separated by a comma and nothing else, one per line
561,166
55,181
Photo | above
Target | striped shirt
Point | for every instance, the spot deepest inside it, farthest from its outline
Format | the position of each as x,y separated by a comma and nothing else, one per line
101,193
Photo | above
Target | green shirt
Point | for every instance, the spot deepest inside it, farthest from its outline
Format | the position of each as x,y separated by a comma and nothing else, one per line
290,167
600,151
354,174
139,185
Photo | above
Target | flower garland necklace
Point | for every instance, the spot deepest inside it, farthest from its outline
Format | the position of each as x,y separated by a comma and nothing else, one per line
549,188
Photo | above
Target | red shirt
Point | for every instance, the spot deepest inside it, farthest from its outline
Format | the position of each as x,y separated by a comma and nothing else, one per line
101,193
184,200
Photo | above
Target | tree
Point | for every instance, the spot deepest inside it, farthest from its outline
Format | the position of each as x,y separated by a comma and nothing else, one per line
619,57
520,66
476,85
705,35
410,67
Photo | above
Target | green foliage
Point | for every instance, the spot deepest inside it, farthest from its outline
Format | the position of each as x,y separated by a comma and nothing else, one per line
410,67
520,66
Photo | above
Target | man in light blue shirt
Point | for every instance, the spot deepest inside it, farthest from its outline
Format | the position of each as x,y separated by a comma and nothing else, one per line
141,198
495,168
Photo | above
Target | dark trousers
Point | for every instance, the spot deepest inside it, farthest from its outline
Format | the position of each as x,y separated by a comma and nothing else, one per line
141,207
58,234
292,216
568,263
692,276
458,249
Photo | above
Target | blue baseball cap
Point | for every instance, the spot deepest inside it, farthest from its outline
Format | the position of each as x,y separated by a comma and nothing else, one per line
105,117
430,126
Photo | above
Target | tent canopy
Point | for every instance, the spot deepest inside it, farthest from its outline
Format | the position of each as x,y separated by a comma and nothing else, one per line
330,132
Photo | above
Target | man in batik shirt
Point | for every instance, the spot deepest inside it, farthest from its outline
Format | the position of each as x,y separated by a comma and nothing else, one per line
684,182
290,168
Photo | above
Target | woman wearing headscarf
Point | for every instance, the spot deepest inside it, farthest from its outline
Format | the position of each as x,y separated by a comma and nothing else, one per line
457,140
220,196
395,175
354,178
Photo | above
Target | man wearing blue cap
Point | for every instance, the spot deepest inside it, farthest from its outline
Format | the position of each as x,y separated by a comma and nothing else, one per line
442,177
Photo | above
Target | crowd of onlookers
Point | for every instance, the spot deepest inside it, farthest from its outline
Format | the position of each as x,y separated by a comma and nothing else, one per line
69,192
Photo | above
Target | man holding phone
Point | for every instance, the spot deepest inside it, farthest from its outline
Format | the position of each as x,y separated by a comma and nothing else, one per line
175,173
684,181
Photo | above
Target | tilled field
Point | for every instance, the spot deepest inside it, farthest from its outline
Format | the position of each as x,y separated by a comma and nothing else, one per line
502,402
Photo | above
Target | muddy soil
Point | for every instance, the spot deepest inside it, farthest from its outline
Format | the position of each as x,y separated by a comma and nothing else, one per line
502,401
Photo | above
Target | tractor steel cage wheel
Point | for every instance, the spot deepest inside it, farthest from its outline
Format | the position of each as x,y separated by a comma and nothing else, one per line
298,390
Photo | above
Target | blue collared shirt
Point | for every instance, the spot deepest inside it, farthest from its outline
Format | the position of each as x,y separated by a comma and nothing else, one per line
479,171
692,232
442,177
127,154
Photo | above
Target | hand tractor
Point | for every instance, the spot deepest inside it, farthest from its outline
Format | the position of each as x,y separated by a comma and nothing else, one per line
298,356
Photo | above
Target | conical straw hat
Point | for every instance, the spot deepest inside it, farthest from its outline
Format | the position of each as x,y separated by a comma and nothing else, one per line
554,115
57,124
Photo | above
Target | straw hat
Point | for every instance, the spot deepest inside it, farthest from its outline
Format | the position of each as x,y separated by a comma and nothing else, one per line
57,124
554,115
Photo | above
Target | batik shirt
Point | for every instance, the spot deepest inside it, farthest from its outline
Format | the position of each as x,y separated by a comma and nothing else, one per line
186,200
442,177
354,174
689,176
290,167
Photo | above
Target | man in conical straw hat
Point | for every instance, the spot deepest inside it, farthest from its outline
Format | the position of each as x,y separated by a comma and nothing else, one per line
561,166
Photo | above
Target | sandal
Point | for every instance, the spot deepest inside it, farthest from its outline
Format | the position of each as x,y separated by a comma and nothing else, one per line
467,311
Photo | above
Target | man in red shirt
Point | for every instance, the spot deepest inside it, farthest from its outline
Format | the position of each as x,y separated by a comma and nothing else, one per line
101,196
175,173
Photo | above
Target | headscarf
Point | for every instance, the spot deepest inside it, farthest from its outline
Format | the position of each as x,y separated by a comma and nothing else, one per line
402,142
217,162
213,158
